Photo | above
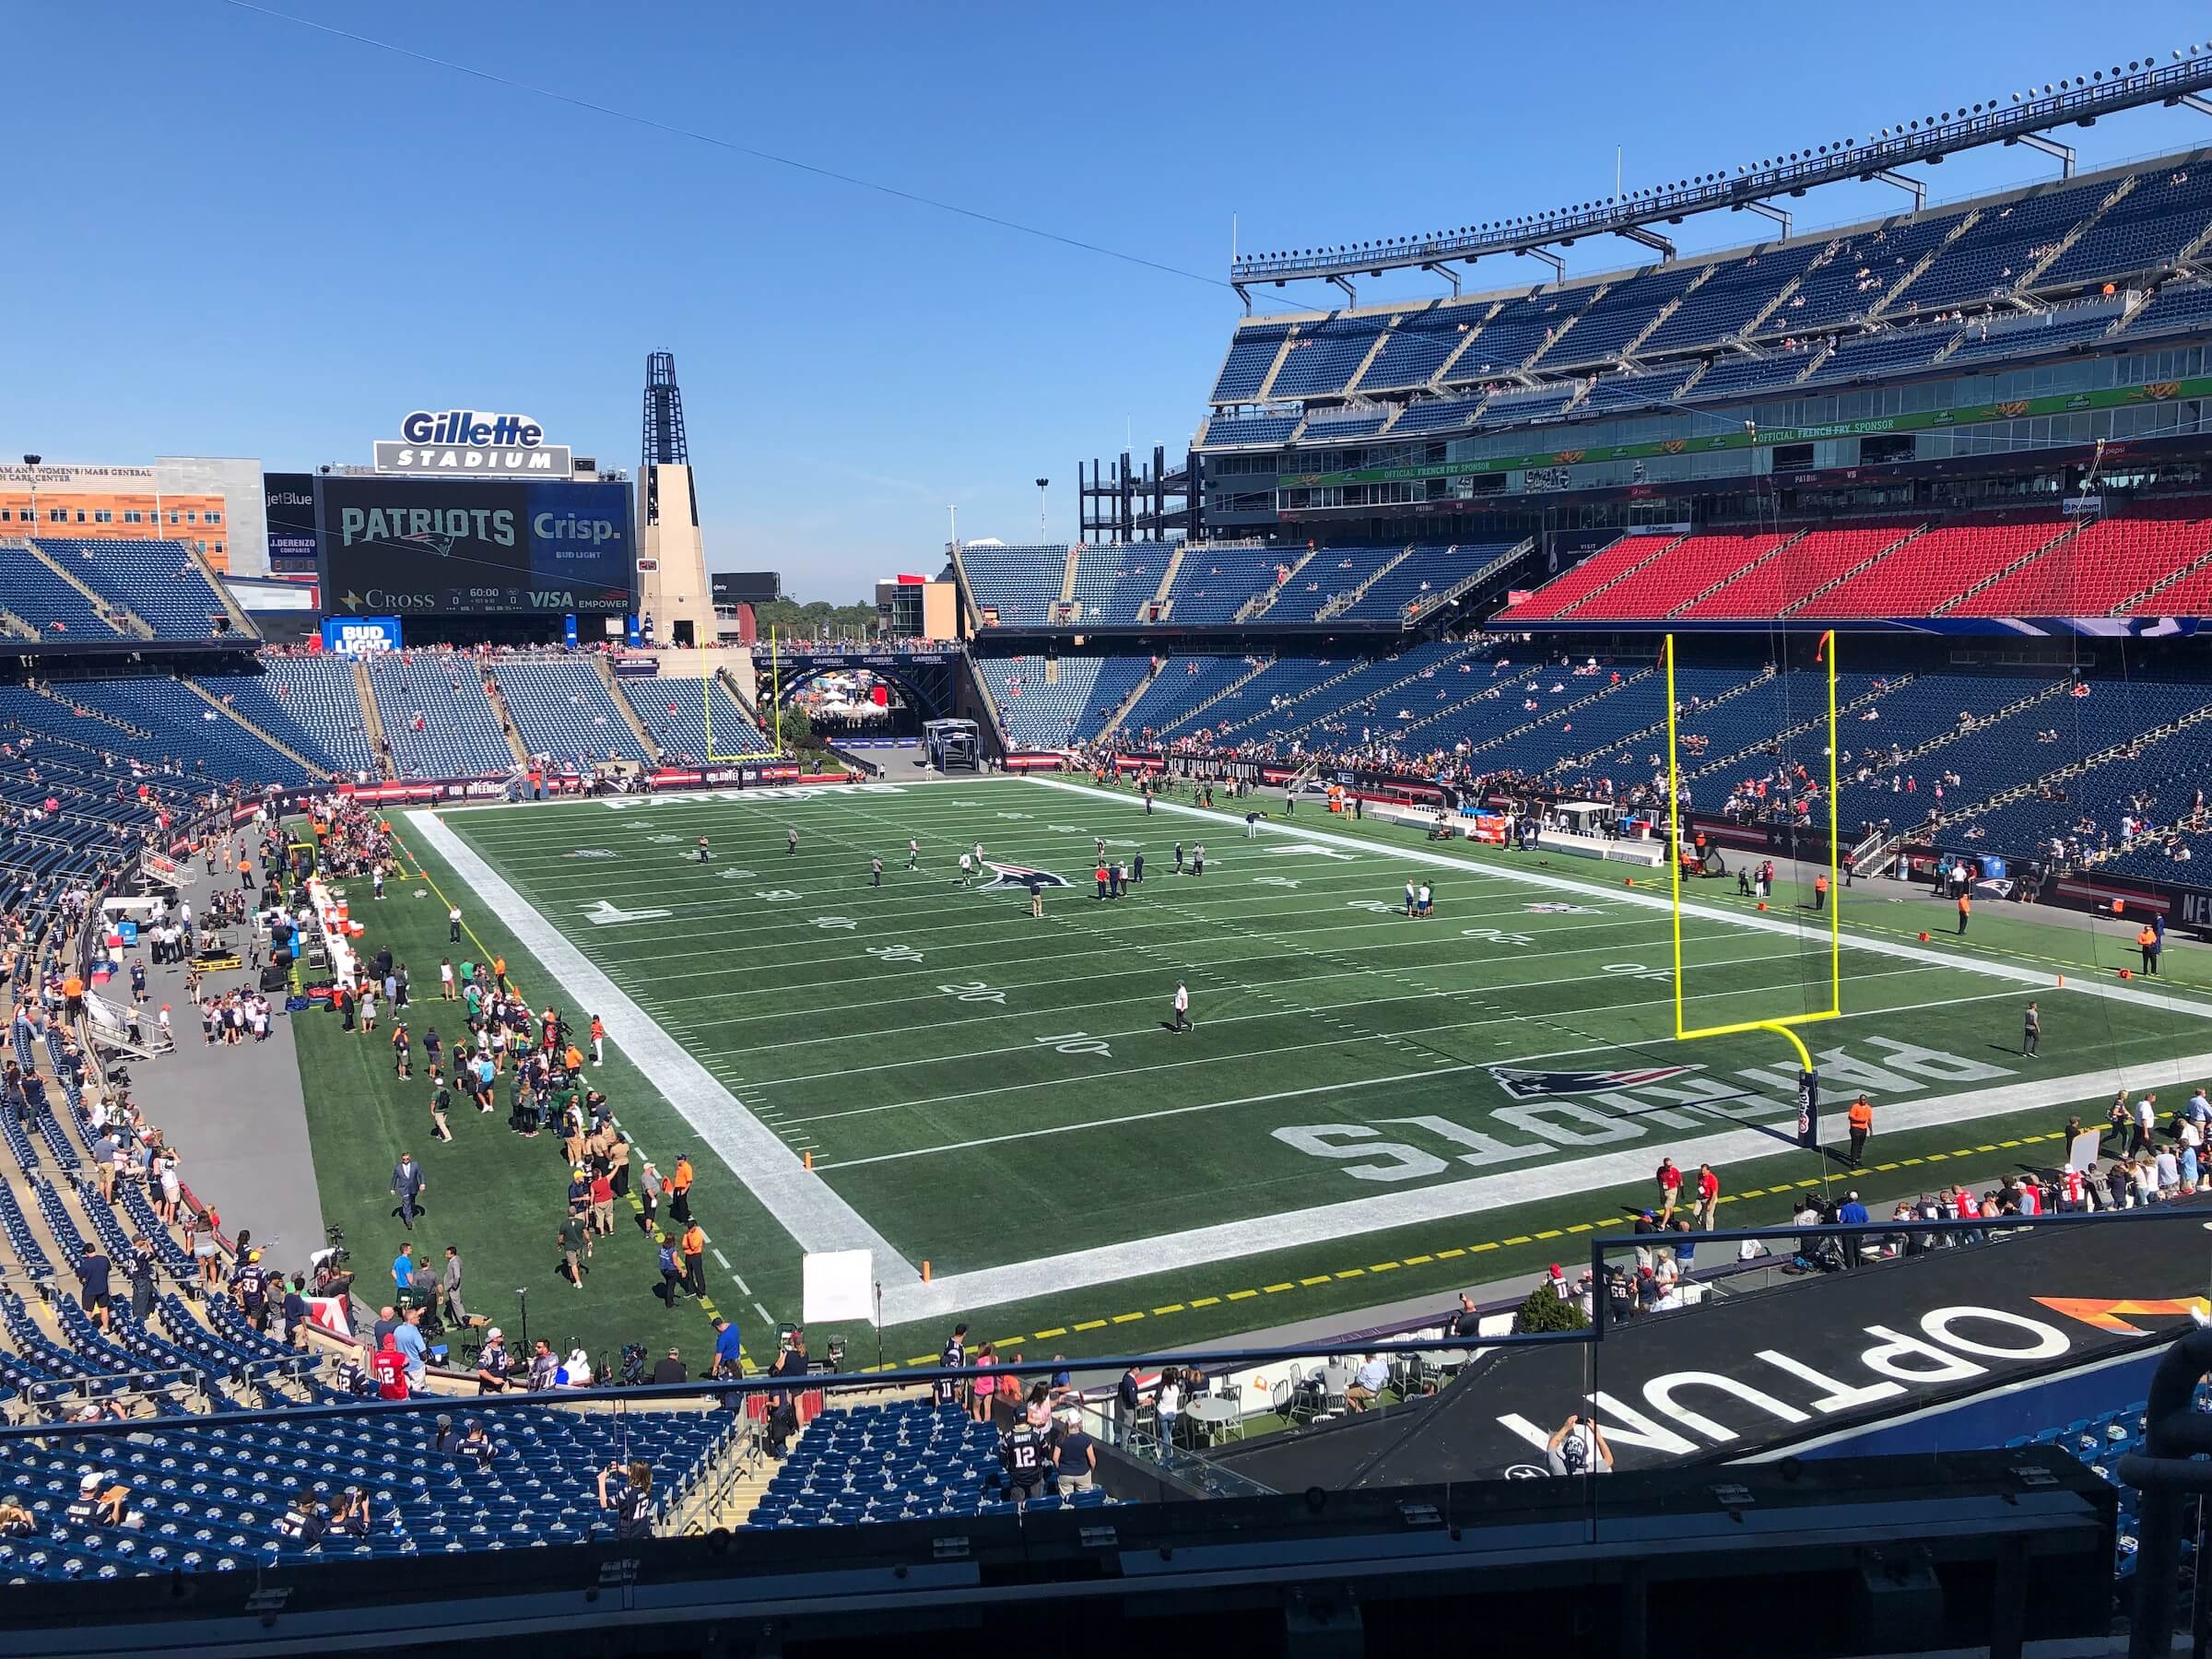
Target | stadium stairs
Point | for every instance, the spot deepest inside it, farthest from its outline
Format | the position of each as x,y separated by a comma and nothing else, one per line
622,707
1161,606
373,721
1766,747
123,619
1136,695
2129,748
1260,603
315,769
1338,707
1444,598
1337,604
1189,722
746,705
1066,609
496,695
1568,765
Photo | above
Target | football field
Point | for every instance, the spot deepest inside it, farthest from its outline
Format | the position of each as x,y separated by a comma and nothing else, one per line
1003,1097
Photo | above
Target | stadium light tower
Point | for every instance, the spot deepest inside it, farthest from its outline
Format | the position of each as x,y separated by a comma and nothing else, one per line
1042,484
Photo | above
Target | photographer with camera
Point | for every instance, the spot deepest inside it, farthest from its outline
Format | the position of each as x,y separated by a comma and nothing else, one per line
1579,1448
631,1500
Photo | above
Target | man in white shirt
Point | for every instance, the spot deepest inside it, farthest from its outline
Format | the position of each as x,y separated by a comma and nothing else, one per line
1368,1383
2146,1120
1183,1006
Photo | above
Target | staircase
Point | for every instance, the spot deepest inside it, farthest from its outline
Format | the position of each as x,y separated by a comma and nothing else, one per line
241,624
267,737
1925,260
1769,744
1566,328
1546,718
1474,328
1827,350
2019,705
497,700
989,704
2072,527
1373,352
746,705
1667,311
1658,727
1233,686
1114,721
1781,296
373,722
1735,575
622,707
1063,609
1167,581
2127,608
1282,356
2132,747
1867,563
123,621
45,689
1260,603
16,627
1337,679
1665,546
1467,584
1341,603
2088,223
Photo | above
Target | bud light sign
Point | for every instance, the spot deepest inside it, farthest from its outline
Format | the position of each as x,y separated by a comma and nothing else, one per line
361,636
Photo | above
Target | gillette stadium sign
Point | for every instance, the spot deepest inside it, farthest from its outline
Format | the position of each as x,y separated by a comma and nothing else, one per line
464,443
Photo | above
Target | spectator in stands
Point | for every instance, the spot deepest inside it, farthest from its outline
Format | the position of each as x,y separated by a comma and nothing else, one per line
92,1278
543,1366
410,1341
669,1369
631,1501
1579,1448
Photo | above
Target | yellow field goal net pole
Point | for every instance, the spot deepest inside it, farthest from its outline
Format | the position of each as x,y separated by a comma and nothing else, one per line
1781,1025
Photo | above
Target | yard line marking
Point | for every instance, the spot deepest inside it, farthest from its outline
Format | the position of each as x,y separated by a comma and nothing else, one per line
1326,1223
741,1284
723,1260
765,1317
806,1207
1758,923
1138,1117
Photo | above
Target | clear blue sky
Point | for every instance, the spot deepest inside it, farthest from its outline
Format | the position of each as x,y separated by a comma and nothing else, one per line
234,235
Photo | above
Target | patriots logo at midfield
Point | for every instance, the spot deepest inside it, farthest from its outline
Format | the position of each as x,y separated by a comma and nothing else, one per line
1013,879
1535,1085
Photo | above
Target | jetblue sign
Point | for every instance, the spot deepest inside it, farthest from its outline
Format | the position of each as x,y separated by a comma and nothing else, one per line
460,442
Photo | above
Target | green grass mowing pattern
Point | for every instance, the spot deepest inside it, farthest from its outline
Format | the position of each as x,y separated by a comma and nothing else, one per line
946,1119
498,1196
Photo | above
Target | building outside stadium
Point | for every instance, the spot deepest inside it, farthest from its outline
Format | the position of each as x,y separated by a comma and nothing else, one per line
214,505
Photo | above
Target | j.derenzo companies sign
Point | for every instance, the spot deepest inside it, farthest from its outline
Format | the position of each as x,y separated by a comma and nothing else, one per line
419,547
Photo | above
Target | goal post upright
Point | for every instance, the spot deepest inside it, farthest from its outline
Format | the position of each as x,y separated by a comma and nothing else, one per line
1781,1025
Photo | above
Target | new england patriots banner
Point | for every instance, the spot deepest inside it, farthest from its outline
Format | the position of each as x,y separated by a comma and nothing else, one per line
1809,1109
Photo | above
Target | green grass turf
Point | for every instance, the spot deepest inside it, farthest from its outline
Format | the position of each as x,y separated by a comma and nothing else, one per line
976,1133
498,1195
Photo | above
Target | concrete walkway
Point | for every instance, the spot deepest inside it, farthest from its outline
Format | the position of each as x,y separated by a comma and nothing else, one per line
237,1116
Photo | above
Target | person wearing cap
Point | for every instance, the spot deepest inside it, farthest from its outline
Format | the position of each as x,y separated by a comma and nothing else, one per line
448,1438
493,1363
102,1500
1853,1213
351,1518
1556,1282
478,1443
670,1369
601,1193
679,1189
695,1258
729,1349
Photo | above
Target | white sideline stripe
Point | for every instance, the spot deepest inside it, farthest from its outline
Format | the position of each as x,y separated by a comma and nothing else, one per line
1344,1221
802,1203
2039,976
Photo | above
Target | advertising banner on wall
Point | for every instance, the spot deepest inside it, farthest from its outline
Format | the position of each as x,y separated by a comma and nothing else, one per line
361,636
289,506
421,546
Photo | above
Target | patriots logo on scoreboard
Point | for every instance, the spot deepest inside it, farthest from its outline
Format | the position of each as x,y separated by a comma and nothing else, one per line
1019,878
1537,1084
436,542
